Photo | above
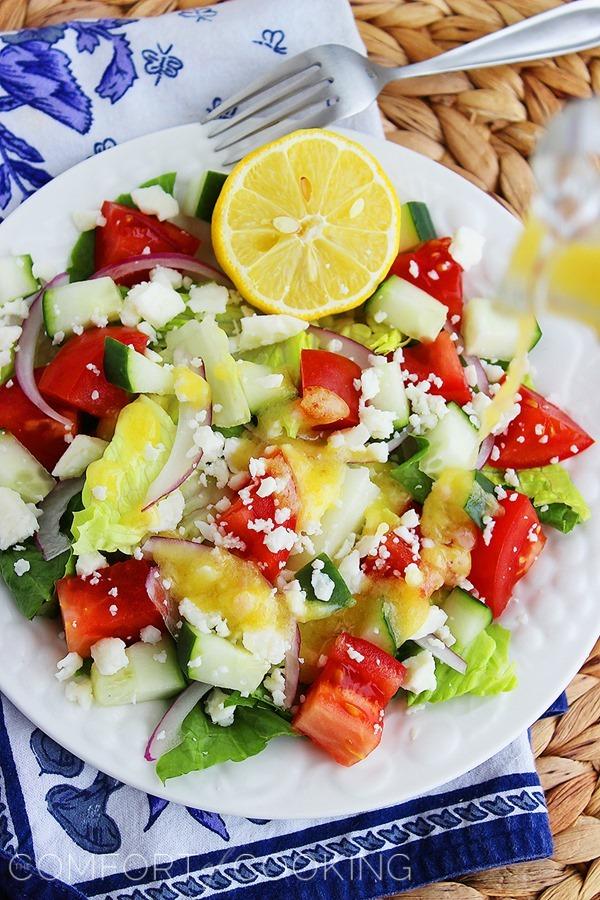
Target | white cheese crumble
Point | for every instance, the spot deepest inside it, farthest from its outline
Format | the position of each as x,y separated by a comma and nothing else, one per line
275,684
18,521
259,331
350,570
164,275
436,617
109,655
216,709
21,566
267,644
88,563
427,408
67,666
205,622
79,691
280,538
208,298
354,654
150,634
168,512
466,247
152,301
323,586
99,492
420,673
154,201
86,219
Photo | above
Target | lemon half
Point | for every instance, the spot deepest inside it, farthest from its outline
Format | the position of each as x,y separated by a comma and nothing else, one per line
308,225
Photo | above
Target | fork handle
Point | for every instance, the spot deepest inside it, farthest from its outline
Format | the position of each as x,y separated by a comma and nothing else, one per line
568,28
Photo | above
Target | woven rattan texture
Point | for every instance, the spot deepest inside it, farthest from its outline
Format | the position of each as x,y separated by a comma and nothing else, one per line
483,125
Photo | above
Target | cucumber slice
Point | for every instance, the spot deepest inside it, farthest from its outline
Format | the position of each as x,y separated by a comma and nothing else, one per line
409,309
409,473
415,225
21,471
255,384
230,406
467,616
80,303
340,597
493,333
215,660
82,451
356,495
482,500
131,371
392,394
202,194
375,627
17,278
453,444
153,673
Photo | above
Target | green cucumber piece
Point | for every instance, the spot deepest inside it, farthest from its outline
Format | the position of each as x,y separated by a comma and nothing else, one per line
211,344
491,332
415,225
202,195
467,616
392,393
340,597
375,627
406,307
131,371
16,278
453,443
21,471
79,303
215,660
481,501
145,678
408,473
259,396
7,371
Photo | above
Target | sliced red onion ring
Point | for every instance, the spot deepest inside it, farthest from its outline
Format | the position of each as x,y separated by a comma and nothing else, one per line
50,539
438,649
180,261
482,379
167,733
25,356
358,353
484,451
291,670
397,440
155,542
165,603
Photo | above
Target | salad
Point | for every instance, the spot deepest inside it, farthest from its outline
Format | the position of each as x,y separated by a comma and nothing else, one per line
261,458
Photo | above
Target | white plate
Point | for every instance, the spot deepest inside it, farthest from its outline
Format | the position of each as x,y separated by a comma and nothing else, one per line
555,620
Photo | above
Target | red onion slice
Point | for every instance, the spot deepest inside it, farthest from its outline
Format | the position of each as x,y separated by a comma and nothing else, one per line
180,261
438,649
165,603
167,733
397,440
358,353
484,451
50,539
482,379
291,670
25,356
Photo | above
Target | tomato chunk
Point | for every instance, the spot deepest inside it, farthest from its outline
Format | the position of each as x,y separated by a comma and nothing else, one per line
128,232
516,541
439,358
76,375
91,612
344,707
261,523
335,374
541,433
432,268
43,436
393,555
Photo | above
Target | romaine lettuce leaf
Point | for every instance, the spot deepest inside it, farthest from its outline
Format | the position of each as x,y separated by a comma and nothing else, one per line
489,670
116,485
555,497
33,591
205,744
284,356
378,337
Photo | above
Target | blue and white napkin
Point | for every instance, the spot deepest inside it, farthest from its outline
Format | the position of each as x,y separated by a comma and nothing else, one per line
66,830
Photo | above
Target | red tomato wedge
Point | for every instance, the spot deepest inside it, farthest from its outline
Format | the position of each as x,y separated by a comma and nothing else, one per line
128,232
42,436
336,374
76,376
393,556
254,522
344,706
541,433
432,268
86,605
517,540
441,359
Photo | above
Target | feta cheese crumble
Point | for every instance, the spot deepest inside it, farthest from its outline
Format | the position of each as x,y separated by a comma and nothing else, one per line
109,655
154,201
67,666
18,521
216,709
420,673
466,247
150,634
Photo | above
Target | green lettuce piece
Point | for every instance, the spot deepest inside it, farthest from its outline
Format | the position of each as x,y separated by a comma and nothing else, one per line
407,472
205,744
166,182
284,356
378,337
489,670
552,492
33,591
116,485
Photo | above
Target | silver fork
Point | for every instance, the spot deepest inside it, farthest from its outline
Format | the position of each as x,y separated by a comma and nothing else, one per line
332,82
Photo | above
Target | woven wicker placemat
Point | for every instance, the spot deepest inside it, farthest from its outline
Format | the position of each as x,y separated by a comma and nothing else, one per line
483,125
